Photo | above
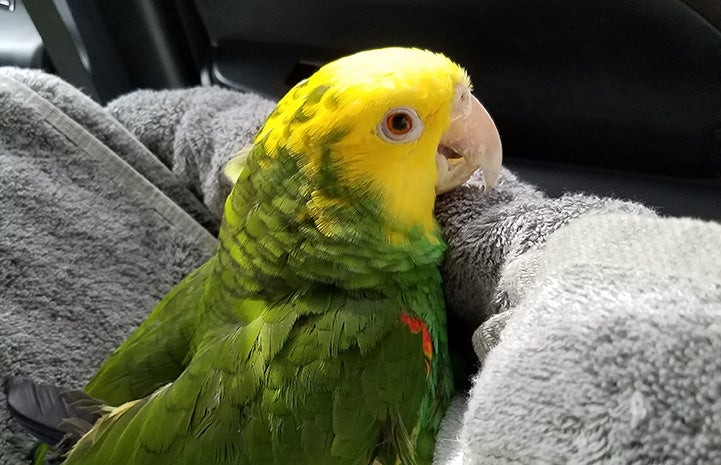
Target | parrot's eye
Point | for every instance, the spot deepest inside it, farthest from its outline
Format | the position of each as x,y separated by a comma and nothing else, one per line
400,124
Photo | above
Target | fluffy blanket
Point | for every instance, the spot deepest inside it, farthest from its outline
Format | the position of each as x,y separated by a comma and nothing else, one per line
595,324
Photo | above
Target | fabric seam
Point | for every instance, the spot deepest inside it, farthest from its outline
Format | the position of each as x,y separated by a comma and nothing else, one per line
117,169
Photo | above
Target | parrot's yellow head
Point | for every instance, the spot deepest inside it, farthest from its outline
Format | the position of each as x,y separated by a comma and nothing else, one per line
397,124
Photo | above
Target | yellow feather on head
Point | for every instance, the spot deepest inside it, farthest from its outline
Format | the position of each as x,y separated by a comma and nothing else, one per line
345,102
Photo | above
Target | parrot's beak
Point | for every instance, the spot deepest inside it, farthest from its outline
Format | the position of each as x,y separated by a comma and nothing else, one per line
471,142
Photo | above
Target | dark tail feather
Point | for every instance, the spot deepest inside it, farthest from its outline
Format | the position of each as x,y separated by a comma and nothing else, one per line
49,413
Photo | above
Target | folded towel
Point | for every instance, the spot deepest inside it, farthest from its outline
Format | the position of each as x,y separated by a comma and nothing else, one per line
611,352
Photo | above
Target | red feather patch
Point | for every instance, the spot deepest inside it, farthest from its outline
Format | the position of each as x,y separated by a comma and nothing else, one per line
416,325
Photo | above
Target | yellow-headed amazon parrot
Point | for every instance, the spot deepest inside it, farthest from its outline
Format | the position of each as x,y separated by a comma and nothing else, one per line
316,334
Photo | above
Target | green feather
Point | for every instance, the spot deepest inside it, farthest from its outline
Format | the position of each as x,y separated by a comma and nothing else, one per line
288,345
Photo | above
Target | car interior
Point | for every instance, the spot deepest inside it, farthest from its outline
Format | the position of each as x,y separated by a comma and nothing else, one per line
617,98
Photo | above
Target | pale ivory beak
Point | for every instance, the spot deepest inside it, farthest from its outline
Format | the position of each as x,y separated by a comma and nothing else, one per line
471,142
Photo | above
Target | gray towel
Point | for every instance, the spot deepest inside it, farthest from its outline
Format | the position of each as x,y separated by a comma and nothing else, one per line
590,351
194,132
611,354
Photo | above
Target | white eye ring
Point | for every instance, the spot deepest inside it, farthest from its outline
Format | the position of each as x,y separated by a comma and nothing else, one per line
400,124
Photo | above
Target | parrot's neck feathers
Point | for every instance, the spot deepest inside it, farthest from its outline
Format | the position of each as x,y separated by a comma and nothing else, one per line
279,232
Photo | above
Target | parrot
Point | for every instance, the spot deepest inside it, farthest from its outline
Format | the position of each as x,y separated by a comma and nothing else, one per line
316,333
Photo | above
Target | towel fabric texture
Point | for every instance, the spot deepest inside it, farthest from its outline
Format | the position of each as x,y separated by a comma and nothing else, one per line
596,324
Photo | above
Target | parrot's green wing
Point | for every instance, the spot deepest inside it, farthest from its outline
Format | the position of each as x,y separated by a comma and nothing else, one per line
158,351
317,379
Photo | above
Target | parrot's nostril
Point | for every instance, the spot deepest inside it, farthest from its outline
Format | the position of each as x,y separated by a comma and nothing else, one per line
448,152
